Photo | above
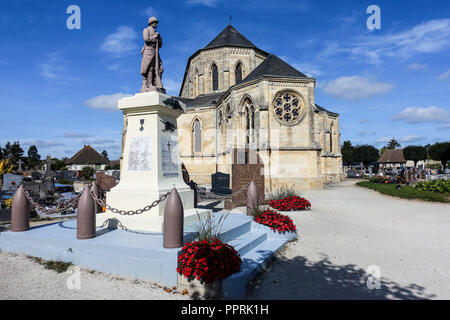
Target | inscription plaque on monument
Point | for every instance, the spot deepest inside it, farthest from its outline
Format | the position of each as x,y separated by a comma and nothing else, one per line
169,156
140,154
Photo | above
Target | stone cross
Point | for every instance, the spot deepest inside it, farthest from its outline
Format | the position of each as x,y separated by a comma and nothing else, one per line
20,165
48,165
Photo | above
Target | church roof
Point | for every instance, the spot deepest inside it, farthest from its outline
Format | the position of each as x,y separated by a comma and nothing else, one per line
87,155
202,100
273,66
230,37
319,108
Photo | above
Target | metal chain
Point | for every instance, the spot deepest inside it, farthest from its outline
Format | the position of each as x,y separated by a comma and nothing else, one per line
61,207
129,212
216,196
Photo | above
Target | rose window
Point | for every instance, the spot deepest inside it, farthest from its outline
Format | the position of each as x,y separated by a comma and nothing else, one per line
287,108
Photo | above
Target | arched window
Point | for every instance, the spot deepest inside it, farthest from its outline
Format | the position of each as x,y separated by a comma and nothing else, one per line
249,113
196,83
331,138
238,72
214,78
197,137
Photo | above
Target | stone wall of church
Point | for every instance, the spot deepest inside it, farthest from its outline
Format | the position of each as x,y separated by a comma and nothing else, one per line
200,165
199,77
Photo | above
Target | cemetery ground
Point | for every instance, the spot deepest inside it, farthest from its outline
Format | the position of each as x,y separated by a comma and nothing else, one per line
349,231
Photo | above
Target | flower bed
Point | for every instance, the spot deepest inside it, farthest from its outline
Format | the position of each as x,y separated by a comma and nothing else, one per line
208,261
290,203
276,221
440,186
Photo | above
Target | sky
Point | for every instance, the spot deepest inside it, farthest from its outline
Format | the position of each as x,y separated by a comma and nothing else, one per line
59,87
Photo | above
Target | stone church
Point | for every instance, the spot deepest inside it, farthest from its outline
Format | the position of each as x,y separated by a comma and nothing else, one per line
239,96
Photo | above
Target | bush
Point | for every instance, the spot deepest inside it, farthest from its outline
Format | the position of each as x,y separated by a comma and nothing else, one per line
276,221
290,203
208,261
283,192
440,186
88,172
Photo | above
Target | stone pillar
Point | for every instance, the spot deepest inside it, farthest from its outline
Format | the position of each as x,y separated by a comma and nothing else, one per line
151,163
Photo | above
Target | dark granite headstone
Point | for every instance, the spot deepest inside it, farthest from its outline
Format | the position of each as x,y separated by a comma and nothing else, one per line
243,173
220,182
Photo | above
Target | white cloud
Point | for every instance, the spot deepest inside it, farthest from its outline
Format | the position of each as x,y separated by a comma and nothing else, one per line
445,126
106,102
208,3
418,66
385,139
356,87
308,69
149,12
42,144
411,138
56,68
428,37
75,135
445,75
120,42
421,115
172,86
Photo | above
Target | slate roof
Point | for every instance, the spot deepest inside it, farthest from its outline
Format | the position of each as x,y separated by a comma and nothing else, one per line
327,111
203,100
87,155
230,37
273,67
392,156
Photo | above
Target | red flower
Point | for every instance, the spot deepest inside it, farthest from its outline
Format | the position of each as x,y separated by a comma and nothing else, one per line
276,221
208,261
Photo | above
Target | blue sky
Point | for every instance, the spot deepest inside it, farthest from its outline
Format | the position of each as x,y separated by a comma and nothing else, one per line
59,87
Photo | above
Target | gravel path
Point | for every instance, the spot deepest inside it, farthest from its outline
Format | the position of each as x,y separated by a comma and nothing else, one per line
349,229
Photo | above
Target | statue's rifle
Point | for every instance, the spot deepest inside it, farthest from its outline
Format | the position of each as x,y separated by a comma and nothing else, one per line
158,80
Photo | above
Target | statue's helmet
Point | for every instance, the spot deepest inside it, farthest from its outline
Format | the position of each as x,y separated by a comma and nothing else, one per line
152,19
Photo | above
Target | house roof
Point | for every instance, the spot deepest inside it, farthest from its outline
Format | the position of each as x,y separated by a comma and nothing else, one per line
230,37
87,155
392,156
273,67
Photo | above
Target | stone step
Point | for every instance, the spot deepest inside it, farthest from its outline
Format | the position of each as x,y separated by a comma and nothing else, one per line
254,261
248,241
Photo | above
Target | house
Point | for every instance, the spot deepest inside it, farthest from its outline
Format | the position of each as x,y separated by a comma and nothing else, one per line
87,157
392,158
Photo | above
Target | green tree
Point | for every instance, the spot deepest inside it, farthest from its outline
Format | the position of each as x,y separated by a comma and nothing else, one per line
13,152
440,151
415,153
33,159
366,154
105,154
393,144
58,164
347,151
88,172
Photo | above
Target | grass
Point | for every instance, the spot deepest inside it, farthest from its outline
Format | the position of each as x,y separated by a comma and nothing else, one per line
58,266
406,192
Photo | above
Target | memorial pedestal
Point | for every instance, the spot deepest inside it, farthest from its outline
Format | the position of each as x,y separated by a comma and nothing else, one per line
151,164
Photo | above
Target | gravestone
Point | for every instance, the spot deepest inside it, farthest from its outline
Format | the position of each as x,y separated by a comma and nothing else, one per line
11,182
220,182
247,166
105,181
408,176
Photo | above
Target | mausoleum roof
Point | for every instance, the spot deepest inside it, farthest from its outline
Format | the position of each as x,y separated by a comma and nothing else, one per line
392,156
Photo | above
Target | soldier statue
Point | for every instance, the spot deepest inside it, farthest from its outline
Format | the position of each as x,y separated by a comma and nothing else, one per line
151,65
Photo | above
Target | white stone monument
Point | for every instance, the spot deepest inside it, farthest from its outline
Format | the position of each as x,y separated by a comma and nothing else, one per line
151,164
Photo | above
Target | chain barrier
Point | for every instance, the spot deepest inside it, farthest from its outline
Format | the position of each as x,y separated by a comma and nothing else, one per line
60,207
129,212
211,195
